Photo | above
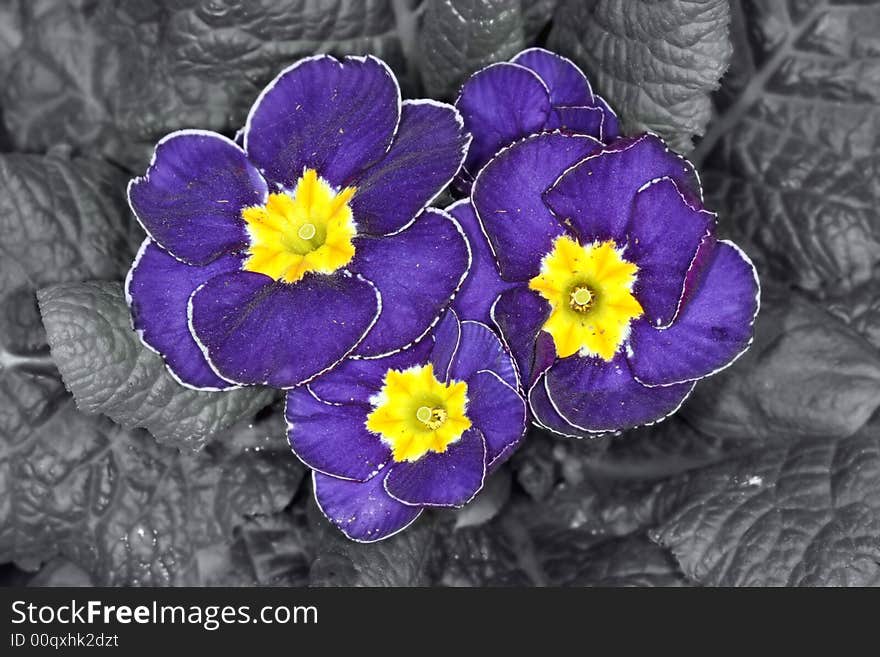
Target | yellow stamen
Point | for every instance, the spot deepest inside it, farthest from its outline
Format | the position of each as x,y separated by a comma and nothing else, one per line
308,230
417,414
589,289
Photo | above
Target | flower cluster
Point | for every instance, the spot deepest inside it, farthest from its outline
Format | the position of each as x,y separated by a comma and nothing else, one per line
579,284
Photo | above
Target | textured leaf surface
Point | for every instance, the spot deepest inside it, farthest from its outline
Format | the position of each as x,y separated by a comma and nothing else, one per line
109,371
401,560
807,514
61,219
122,73
654,62
806,374
129,511
460,37
793,161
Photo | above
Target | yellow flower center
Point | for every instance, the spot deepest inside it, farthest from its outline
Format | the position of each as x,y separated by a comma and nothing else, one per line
589,289
416,414
308,230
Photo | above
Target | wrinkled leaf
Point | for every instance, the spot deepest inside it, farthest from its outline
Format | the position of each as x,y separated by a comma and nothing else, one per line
806,374
401,560
792,162
459,37
109,371
654,62
628,561
127,510
123,73
807,514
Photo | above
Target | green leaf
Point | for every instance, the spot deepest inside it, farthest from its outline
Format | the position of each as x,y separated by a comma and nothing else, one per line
791,162
460,37
129,511
654,62
122,73
806,375
807,514
108,369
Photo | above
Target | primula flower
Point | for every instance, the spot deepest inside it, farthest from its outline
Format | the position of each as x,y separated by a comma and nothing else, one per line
271,261
612,290
536,91
390,436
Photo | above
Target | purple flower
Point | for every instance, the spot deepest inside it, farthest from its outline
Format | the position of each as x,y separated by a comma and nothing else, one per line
613,292
390,436
271,262
536,91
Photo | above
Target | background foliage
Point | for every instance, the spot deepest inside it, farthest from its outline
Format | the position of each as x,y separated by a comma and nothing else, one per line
770,474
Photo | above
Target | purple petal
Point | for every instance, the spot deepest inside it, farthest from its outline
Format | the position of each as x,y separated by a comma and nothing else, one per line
595,395
256,330
596,195
190,199
336,117
566,82
579,120
417,272
712,330
520,314
427,152
448,479
611,124
333,438
498,411
158,288
663,236
364,512
447,336
483,282
500,104
545,416
355,380
507,199
480,349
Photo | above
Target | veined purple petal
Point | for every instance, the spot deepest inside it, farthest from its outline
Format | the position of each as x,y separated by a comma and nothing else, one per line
427,152
611,124
545,416
566,82
158,288
595,395
663,236
497,410
255,330
520,314
596,194
191,198
336,117
480,349
483,282
712,330
357,379
507,199
447,337
333,438
450,479
417,272
364,512
500,104
577,119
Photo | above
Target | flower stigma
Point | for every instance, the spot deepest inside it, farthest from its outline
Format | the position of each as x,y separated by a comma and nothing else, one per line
415,413
589,289
307,230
